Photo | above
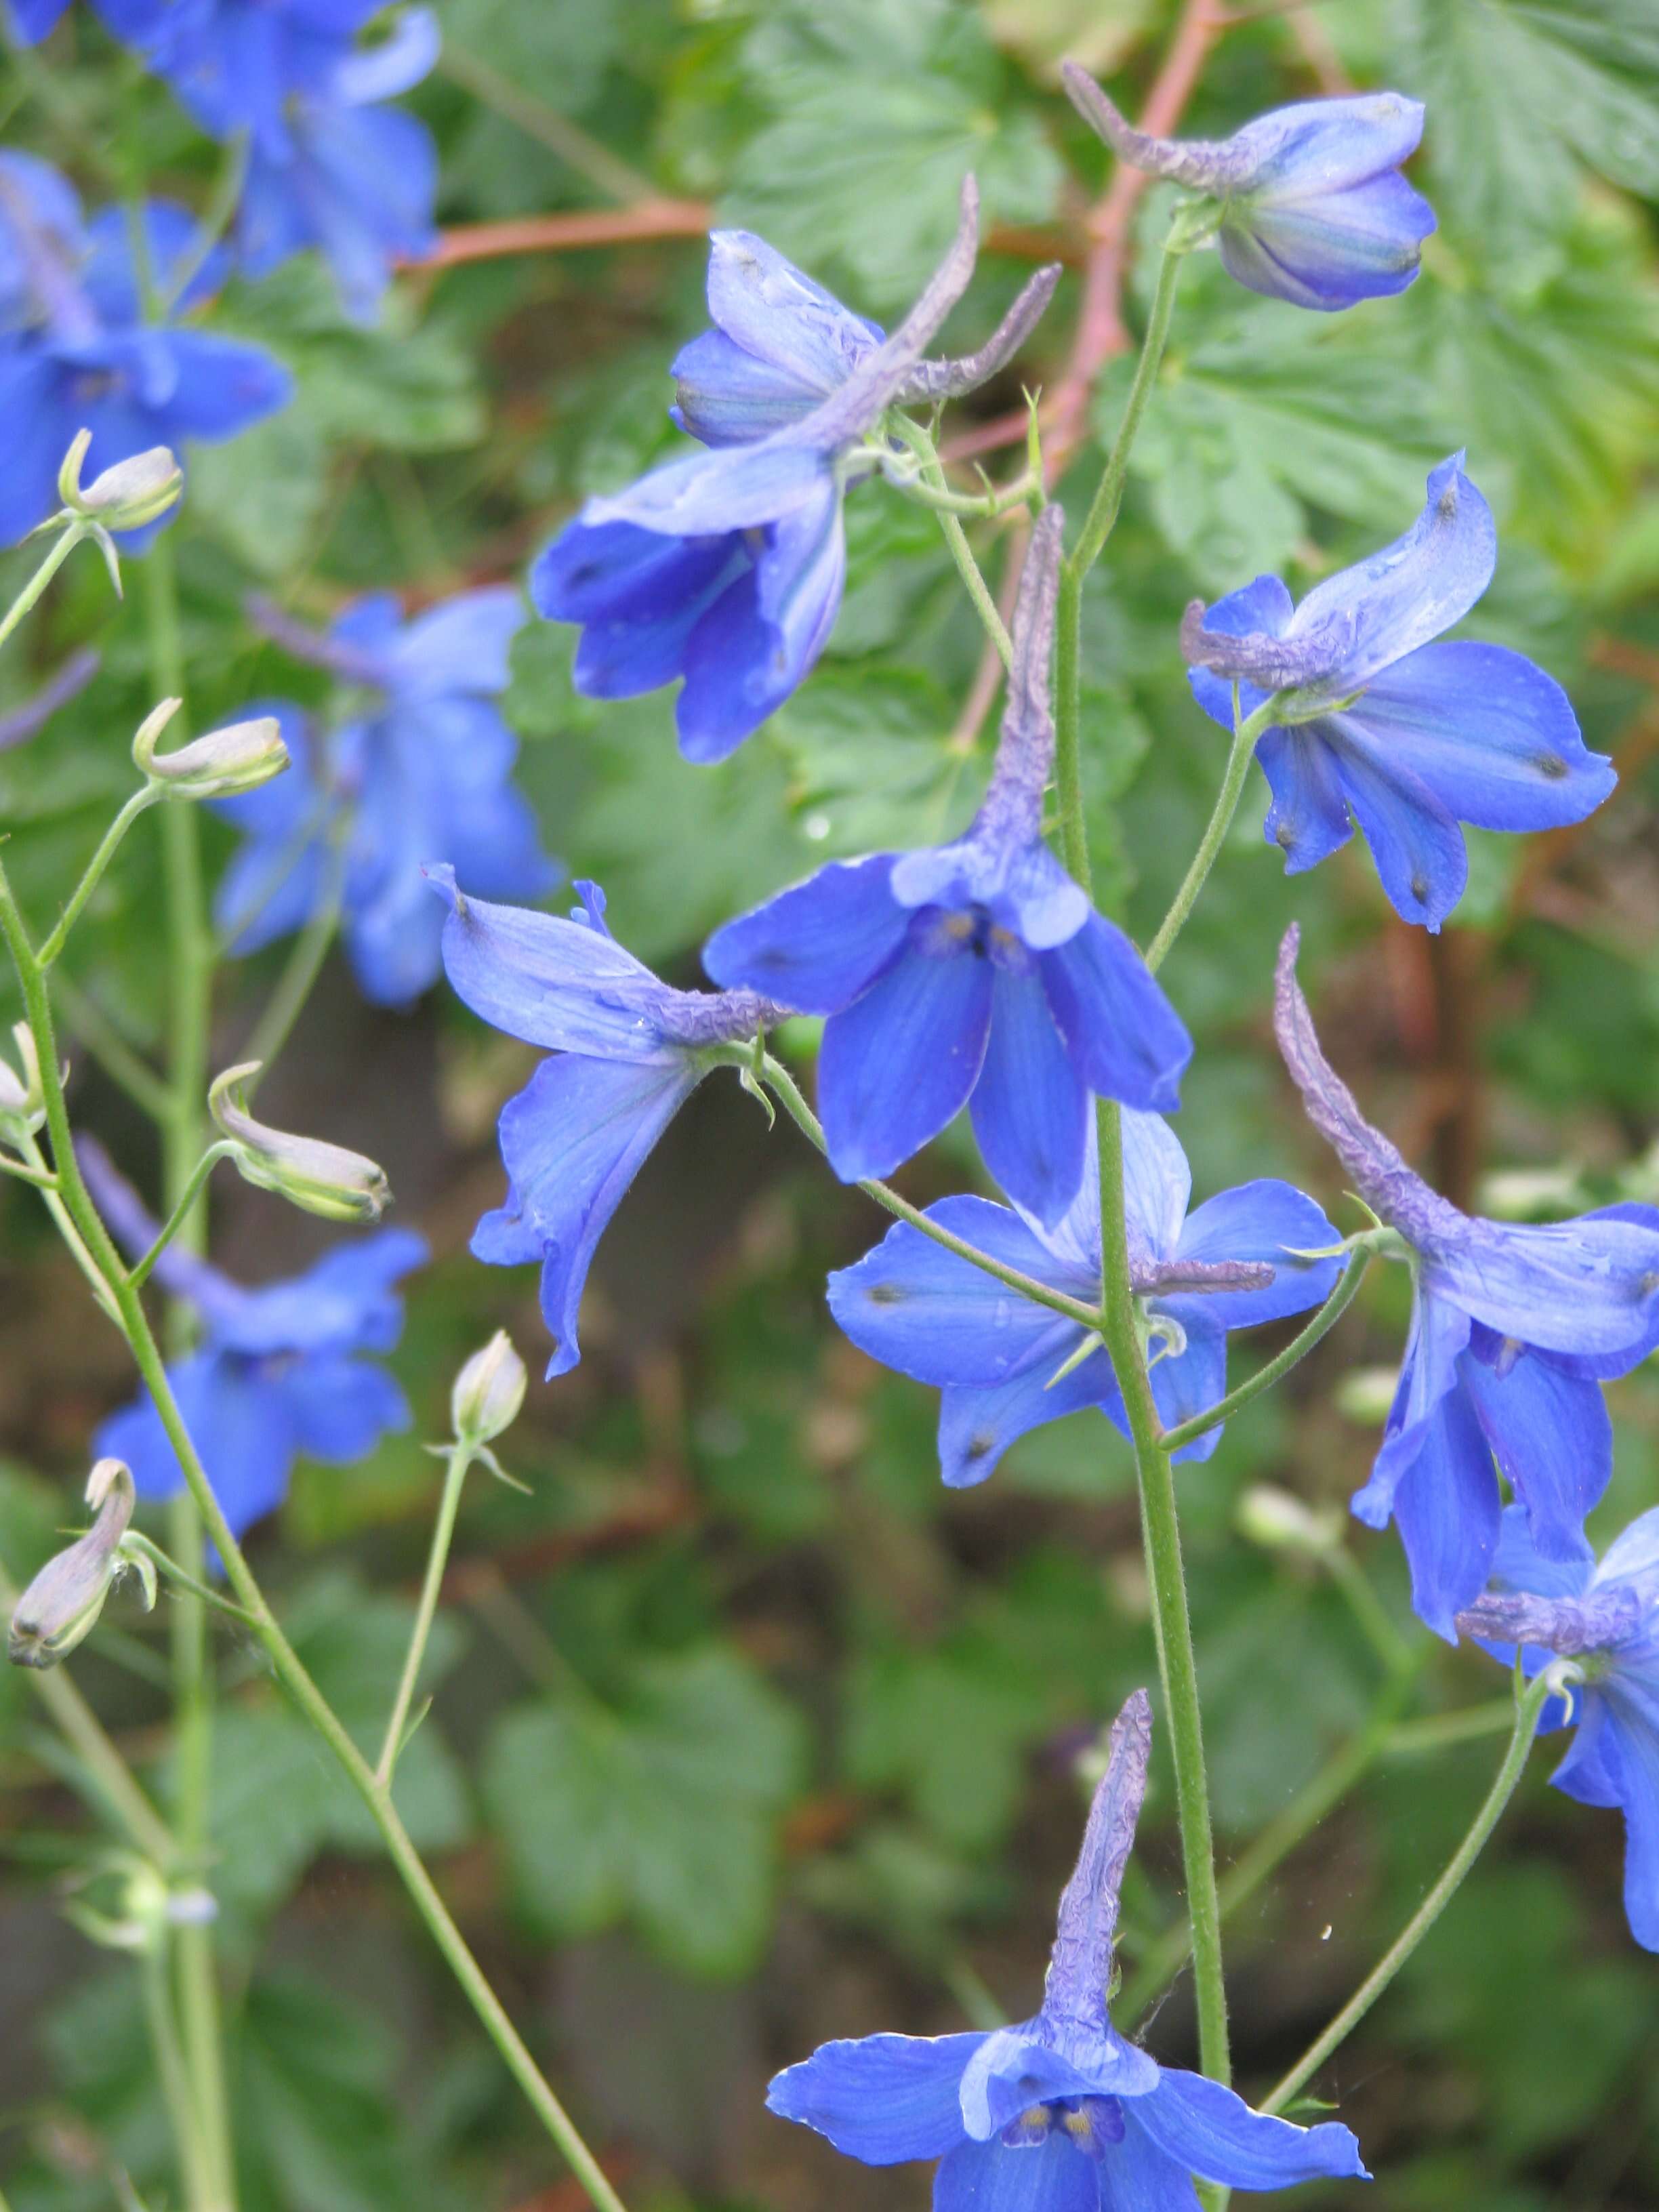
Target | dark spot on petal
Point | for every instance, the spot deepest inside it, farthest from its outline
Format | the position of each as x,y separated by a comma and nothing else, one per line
886,1294
1420,889
978,1446
1446,504
1550,765
1285,835
1647,1286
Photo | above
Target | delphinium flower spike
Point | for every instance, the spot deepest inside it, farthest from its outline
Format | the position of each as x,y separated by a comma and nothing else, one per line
1004,1364
972,973
1606,1618
280,1371
726,568
1059,2113
1310,205
1383,726
628,1051
1513,1330
421,770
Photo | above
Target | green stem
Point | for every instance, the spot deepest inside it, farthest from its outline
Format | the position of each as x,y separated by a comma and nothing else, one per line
1528,1708
166,1565
41,1178
1245,734
194,2155
72,534
285,1661
1108,493
140,800
294,986
1164,1960
805,1119
67,1230
140,1271
1436,1730
1172,1620
449,1504
956,537
1346,1290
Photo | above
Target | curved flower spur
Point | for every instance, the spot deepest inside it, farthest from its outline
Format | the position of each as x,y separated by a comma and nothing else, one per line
726,568
1059,2113
1513,1330
1381,723
972,973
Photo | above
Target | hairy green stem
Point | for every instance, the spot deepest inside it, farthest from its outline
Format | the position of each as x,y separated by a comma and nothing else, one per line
461,1454
1276,1369
139,1273
201,2182
956,537
166,1565
72,534
1527,1707
1108,493
1242,751
108,845
290,1668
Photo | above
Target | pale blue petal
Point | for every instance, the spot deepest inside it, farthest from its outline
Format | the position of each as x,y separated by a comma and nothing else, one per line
1214,2134
1019,2066
1189,1382
462,645
1052,2176
897,1064
1126,1040
342,1407
396,64
706,494
819,945
1609,1366
1439,1332
1518,1565
769,308
1265,1220
347,1303
1630,1758
1030,1110
1328,250
1551,1437
726,396
1319,146
1633,1556
1589,1285
976,1426
1157,1185
883,2099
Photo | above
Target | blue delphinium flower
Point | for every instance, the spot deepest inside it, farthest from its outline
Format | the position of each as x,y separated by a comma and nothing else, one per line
421,772
346,174
975,972
280,1372
1311,206
1513,1330
726,568
80,355
1606,1618
1408,737
1059,2113
43,240
1004,1364
628,1051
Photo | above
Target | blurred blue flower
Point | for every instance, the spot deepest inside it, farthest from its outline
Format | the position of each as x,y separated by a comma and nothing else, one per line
280,1372
1059,2113
1607,1619
726,568
1513,1330
1407,736
975,972
629,1051
1311,205
1004,1364
420,771
79,354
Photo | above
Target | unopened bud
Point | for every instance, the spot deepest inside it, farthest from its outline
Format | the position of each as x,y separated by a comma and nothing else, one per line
1365,1394
1280,1521
125,496
319,1177
239,757
489,1391
61,1606
22,1102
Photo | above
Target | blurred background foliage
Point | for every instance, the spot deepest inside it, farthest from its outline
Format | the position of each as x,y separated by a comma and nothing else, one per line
749,1734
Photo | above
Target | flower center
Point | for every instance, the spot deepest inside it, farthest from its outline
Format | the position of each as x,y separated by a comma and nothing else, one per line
1090,2124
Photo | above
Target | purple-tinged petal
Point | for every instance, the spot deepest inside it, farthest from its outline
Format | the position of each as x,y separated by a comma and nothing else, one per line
347,1303
1021,2066
883,2099
1157,1185
1609,1366
1518,1565
819,945
1126,1040
1030,1110
1211,2132
1633,1556
1446,1508
1320,146
1329,249
1417,845
726,396
572,1142
976,1426
1551,1435
1265,1220
899,1063
706,494
1589,1285
1050,2176
1080,1963
1308,817
780,316
919,1308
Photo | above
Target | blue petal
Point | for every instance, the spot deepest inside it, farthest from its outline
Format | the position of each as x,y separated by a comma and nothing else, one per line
1157,1185
346,1303
883,2099
1320,146
572,1141
1331,249
976,1426
1265,1220
774,312
706,494
1031,1111
1141,2176
1125,1039
1439,1333
1446,1509
1551,1437
1518,1565
1589,1285
1052,2176
1633,1556
341,1409
396,64
617,572
1023,886
726,396
896,1065
1308,818
1417,845
34,19
919,1308
222,386
1629,1759
1212,2133
1412,590
1019,2066
1191,1382
817,945
239,1424
553,982
462,645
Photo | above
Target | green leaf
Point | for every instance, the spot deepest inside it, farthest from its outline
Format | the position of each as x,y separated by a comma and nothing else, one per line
262,494
661,1812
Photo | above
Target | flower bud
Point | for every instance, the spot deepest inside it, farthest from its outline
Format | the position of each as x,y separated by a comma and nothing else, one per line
489,1391
319,1177
23,1103
239,757
62,1604
1280,1521
125,496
